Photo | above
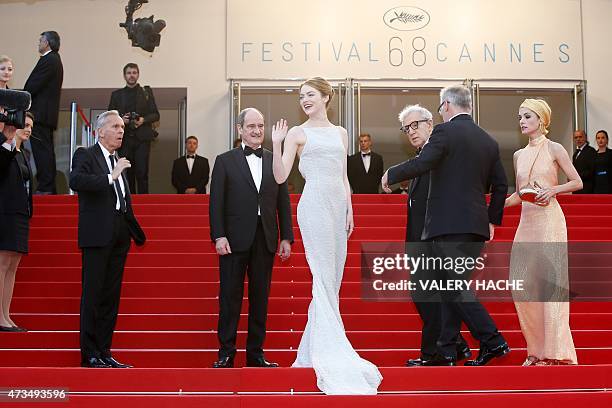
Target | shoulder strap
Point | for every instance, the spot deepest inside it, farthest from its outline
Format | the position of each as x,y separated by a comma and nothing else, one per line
545,142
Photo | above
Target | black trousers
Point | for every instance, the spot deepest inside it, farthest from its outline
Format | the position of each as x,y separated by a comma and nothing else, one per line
458,306
44,157
138,153
257,264
102,276
427,302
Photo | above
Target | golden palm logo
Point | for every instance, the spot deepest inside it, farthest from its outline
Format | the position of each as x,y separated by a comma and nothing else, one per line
406,18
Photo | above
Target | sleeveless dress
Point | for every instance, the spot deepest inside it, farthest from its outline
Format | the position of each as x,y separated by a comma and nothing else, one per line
539,257
321,217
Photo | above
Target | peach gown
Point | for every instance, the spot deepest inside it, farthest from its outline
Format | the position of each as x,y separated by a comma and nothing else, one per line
539,257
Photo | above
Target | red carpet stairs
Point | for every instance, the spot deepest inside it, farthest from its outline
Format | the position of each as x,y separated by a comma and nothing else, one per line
168,318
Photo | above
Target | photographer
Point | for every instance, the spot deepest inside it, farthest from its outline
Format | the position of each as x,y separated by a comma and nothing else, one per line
137,107
15,211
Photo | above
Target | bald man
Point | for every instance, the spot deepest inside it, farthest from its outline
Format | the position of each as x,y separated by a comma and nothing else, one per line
584,161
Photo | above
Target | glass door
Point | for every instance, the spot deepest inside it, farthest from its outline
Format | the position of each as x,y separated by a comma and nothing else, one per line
496,106
377,105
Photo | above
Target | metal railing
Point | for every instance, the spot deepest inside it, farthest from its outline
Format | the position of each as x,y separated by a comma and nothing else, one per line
85,130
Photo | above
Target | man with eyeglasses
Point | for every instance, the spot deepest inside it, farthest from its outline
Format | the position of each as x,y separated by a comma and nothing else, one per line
365,168
464,165
417,124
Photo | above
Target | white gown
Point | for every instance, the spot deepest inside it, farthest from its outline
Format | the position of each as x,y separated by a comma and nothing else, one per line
321,217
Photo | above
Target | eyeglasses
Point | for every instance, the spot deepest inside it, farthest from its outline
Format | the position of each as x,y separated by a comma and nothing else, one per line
441,105
412,125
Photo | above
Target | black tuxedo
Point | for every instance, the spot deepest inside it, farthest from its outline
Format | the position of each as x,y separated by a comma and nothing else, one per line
45,84
427,302
417,207
198,178
104,238
585,165
253,239
363,182
464,164
136,145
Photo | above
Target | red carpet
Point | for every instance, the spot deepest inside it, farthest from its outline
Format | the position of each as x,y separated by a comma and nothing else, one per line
168,319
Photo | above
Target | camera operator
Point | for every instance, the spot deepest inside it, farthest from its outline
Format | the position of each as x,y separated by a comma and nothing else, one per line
137,107
15,211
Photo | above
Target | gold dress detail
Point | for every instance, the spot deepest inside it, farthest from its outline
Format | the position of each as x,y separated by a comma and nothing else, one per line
539,257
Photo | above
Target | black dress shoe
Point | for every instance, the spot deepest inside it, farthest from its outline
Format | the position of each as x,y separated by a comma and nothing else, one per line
463,351
224,362
114,363
440,360
10,329
94,362
487,354
261,362
415,362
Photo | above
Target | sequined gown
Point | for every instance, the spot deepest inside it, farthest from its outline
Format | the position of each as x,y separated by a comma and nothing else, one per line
321,217
539,257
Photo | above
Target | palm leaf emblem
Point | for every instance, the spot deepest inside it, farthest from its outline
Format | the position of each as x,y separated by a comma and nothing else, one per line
407,17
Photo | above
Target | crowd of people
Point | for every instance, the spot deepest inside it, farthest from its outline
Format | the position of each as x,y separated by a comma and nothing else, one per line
456,166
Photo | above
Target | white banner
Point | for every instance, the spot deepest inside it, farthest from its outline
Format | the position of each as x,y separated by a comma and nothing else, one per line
520,39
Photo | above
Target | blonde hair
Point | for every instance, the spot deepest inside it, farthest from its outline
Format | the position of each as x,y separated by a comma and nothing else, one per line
5,58
540,108
322,86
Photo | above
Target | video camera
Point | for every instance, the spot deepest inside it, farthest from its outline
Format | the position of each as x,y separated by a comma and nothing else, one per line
15,104
133,117
144,32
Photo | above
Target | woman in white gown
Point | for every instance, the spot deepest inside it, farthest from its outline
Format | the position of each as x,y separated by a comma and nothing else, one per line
325,218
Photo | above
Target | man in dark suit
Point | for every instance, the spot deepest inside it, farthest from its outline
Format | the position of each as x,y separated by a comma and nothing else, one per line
190,172
45,84
584,161
137,106
106,226
417,124
245,203
463,164
365,168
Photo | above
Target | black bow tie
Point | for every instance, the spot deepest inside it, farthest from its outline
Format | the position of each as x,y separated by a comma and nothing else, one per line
249,151
191,156
365,154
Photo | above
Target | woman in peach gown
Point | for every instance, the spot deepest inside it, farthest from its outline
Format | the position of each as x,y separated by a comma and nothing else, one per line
539,252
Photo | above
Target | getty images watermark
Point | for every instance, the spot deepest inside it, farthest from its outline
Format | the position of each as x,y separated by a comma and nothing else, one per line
498,271
429,266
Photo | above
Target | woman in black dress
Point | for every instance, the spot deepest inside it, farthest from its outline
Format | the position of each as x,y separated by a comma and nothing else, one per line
15,212
603,164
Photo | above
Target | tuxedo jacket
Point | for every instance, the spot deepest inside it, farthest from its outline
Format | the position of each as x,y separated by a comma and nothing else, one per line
463,164
145,107
198,178
585,165
360,181
45,84
97,199
14,196
234,199
417,207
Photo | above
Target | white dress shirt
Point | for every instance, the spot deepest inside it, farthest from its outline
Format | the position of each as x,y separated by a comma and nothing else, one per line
255,165
190,161
107,155
9,146
366,160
